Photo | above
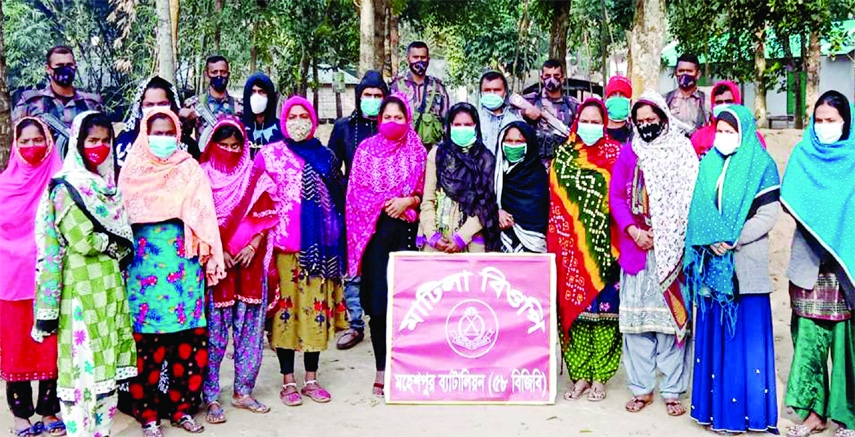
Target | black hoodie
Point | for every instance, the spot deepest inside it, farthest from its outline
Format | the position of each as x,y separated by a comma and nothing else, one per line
269,131
348,132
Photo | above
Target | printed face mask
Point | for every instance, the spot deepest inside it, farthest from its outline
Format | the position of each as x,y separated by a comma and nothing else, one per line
419,68
219,83
33,155
686,81
162,146
650,131
552,84
370,106
298,128
491,101
64,76
514,153
726,142
95,156
590,133
258,103
618,108
463,136
392,131
828,133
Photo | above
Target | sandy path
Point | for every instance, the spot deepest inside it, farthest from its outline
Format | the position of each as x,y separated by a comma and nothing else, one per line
353,412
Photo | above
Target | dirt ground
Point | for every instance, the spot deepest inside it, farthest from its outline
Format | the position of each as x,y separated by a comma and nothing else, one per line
348,375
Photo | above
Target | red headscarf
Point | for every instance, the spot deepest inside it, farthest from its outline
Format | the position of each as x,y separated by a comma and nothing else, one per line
702,140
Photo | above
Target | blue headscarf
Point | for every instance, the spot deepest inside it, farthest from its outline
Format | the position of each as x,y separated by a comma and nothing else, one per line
750,181
819,192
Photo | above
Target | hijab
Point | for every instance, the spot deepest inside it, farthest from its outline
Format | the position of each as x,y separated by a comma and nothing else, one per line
466,176
522,190
382,169
157,190
21,187
702,139
819,192
729,189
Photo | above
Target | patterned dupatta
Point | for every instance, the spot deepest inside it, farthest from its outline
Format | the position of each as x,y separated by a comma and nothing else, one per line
581,231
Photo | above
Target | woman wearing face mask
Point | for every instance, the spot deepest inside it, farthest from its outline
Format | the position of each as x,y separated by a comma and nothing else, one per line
818,191
151,93
307,248
734,207
522,190
260,119
383,196
84,238
245,212
649,197
32,163
177,253
580,237
459,212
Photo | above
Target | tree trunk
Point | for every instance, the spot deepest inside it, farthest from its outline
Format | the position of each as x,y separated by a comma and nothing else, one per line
759,78
316,86
253,50
379,34
5,104
218,13
645,45
339,112
604,45
304,74
387,46
166,56
813,64
394,39
174,8
366,36
558,33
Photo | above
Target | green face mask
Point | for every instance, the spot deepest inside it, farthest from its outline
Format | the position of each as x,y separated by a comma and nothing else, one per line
618,108
463,136
514,153
370,106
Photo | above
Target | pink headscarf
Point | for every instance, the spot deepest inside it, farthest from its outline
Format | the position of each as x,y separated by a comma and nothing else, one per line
21,188
286,108
236,190
702,140
382,169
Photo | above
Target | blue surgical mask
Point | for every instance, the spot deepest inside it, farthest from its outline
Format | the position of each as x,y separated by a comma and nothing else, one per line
370,106
162,146
590,133
492,101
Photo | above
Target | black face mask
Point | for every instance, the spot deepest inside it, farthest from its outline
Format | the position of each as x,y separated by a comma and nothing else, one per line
419,68
219,83
650,131
64,76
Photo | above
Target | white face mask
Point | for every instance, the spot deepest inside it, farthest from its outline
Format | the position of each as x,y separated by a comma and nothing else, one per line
258,103
726,142
152,108
828,133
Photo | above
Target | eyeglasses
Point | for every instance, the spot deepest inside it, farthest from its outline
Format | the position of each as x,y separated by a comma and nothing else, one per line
724,102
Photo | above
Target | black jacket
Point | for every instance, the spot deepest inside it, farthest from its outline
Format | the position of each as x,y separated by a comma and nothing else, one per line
348,132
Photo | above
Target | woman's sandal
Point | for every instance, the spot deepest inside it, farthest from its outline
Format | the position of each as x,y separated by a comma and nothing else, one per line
26,432
152,430
378,390
216,414
251,404
293,398
801,430
579,388
316,393
672,404
637,404
844,432
596,394
55,428
187,423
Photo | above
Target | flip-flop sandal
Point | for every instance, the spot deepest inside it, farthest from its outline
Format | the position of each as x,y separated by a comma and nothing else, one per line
844,432
251,404
152,430
292,399
596,395
574,394
187,423
638,404
216,414
316,393
55,428
378,390
26,432
670,404
801,430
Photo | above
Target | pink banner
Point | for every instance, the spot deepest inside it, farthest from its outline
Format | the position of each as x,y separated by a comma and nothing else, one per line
471,328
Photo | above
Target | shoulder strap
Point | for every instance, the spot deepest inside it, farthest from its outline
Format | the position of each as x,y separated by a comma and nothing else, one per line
422,106
205,112
61,130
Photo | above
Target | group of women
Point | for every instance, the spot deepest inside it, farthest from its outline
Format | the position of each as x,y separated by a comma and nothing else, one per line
120,292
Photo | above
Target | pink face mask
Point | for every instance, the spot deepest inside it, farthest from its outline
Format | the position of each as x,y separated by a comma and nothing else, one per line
392,131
